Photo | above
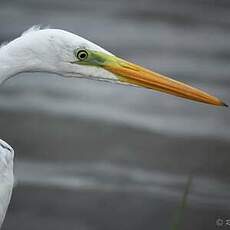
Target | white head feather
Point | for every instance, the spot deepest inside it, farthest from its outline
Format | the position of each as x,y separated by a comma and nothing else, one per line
48,50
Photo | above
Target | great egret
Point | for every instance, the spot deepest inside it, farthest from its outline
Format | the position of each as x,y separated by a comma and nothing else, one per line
6,177
64,53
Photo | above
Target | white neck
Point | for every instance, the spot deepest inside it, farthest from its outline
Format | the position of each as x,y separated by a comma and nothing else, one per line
15,58
48,50
29,53
8,66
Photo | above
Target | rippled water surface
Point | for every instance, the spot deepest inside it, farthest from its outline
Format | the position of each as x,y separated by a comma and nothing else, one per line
93,155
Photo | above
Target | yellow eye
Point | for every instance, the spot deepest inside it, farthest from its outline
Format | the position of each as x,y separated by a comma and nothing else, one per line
82,55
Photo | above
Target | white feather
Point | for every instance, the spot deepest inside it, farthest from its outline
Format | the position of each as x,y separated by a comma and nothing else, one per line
6,177
48,50
34,28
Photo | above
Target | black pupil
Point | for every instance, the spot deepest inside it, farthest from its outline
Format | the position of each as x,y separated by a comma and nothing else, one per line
82,55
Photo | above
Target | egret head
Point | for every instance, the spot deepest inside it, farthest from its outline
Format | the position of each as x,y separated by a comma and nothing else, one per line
69,55
88,60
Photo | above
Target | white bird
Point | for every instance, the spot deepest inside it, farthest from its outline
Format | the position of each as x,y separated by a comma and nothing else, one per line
69,55
6,177
66,54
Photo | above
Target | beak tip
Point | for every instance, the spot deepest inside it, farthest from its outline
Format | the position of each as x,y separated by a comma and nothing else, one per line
224,104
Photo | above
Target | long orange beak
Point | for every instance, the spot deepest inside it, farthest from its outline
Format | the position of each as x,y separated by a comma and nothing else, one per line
137,75
140,76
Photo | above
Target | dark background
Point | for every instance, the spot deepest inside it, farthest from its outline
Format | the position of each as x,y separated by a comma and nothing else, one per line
98,156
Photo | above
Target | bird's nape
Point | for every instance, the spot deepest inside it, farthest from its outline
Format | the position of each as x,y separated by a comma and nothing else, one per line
136,75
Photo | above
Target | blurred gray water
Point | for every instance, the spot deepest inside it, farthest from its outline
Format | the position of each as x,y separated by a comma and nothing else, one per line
92,155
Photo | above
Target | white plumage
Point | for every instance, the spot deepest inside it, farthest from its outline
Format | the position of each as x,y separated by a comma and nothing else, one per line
48,50
39,50
6,177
